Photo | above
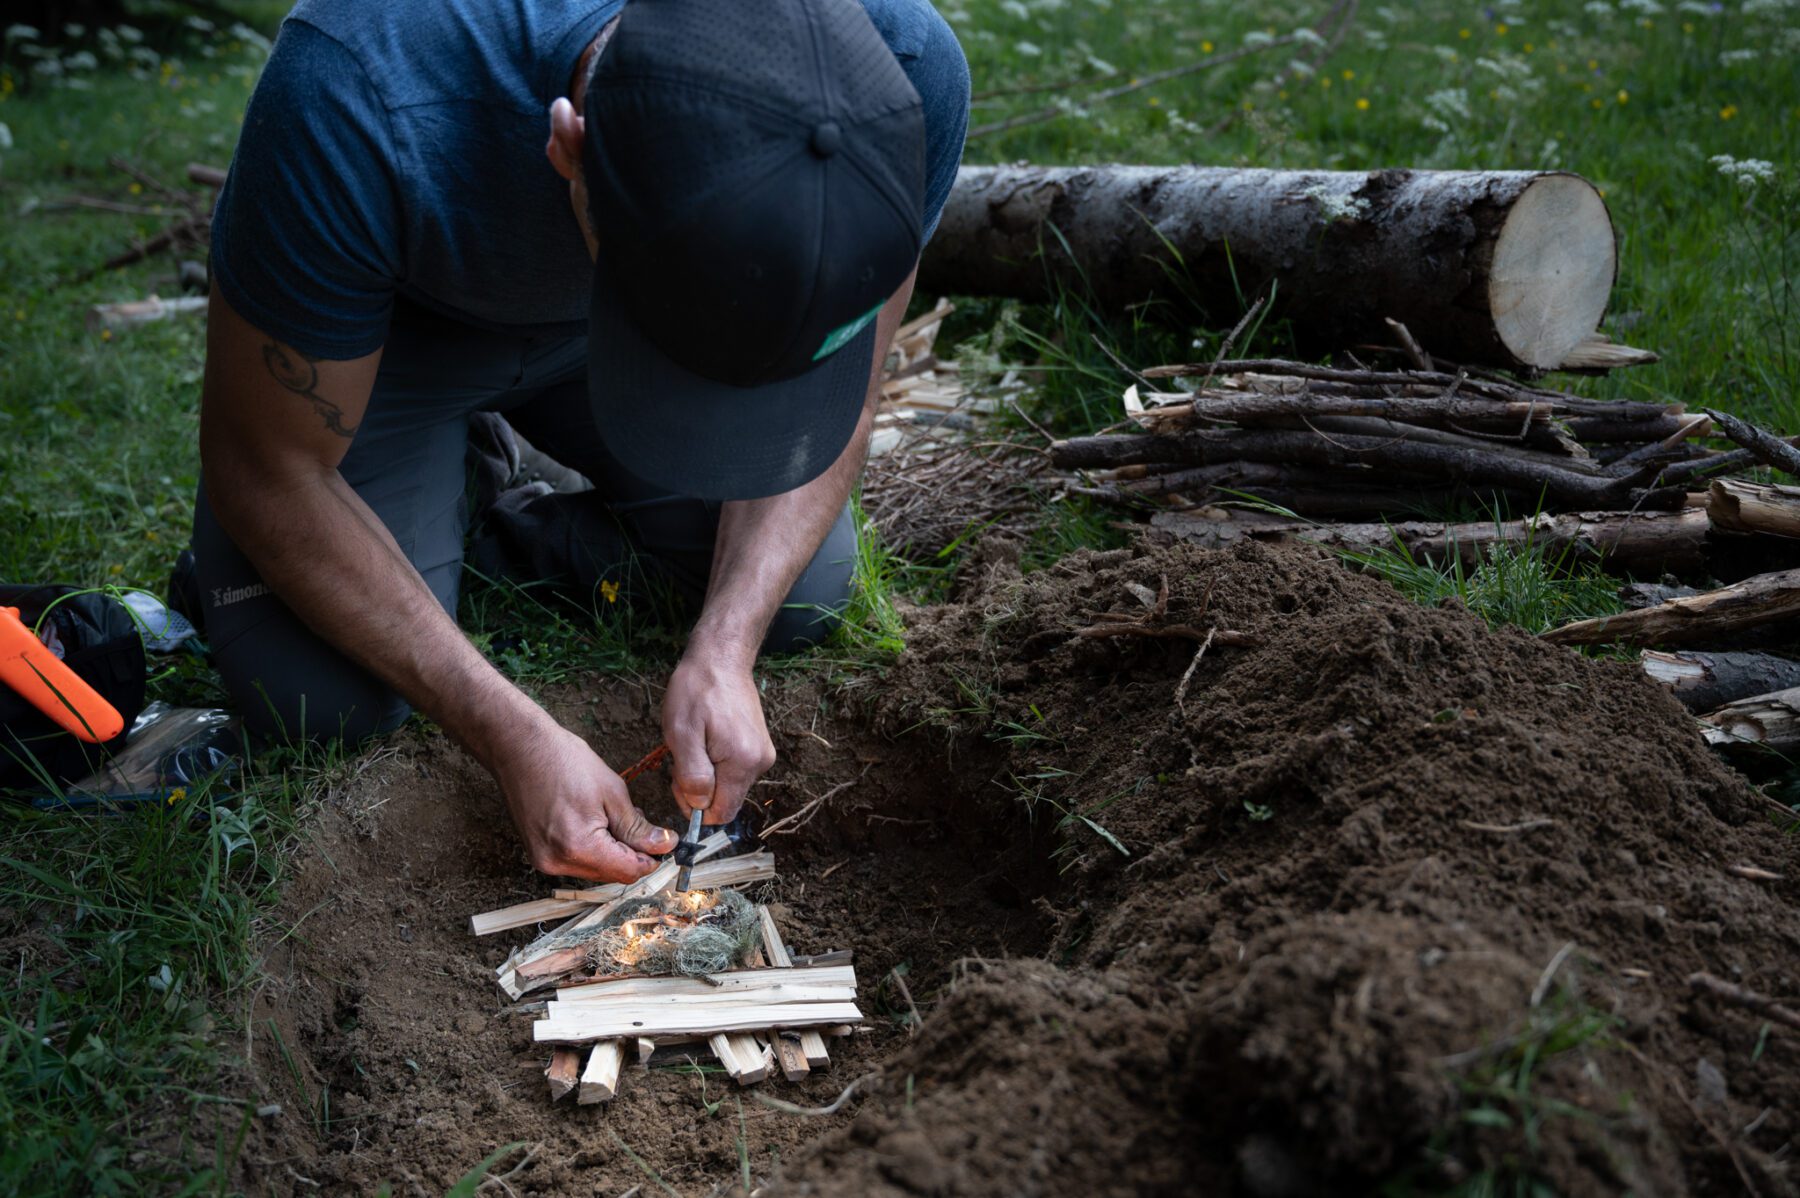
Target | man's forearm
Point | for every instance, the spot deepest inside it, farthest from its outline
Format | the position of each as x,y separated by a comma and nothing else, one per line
762,547
333,562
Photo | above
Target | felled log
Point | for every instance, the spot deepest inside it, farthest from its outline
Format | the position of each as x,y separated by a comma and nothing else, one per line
1758,602
1504,268
1625,542
1763,721
1565,482
1703,681
1740,506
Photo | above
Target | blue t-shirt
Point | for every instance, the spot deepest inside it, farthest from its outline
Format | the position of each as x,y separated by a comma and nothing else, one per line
397,149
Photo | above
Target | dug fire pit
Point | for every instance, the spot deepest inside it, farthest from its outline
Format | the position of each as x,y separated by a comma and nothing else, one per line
642,966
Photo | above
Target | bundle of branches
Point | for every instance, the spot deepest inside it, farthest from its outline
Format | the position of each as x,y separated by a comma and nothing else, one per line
1355,442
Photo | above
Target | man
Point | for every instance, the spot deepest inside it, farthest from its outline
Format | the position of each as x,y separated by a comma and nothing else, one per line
753,181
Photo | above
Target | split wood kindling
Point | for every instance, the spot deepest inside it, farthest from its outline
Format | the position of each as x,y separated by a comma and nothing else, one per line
774,1012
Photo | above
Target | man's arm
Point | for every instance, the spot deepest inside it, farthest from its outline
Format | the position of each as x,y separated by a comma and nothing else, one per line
274,427
712,715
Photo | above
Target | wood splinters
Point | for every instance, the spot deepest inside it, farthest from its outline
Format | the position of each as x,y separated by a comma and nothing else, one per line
811,1043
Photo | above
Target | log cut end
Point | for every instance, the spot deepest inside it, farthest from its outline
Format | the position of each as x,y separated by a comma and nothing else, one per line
1554,264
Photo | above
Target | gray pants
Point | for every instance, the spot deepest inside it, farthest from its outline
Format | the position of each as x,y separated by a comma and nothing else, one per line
407,464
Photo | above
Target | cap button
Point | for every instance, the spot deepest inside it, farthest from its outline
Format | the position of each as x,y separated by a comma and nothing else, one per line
826,138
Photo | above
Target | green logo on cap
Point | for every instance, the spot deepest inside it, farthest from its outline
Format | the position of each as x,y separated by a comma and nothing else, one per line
840,337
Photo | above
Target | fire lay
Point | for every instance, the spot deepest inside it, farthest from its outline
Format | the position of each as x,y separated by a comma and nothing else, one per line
639,966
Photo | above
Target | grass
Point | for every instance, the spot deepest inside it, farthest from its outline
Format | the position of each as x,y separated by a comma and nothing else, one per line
1522,585
128,941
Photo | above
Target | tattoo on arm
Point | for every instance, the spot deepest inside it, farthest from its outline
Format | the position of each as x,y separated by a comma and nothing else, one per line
298,373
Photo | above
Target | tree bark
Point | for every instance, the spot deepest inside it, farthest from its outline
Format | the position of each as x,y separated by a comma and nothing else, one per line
1753,507
1765,722
1754,603
1626,543
1505,268
1704,681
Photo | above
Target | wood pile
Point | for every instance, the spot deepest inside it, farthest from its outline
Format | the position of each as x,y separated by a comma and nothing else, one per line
931,478
774,1013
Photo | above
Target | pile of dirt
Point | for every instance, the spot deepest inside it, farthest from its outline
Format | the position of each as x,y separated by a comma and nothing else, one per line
1364,894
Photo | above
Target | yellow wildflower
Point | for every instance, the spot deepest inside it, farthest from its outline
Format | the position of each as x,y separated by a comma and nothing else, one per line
1362,103
1727,112
610,590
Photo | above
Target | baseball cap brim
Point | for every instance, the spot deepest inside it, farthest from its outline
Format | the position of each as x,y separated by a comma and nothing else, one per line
697,436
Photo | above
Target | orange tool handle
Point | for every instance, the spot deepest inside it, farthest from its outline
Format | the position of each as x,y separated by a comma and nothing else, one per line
28,666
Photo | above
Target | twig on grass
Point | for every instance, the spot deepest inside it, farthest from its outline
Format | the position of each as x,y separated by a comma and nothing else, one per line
1540,991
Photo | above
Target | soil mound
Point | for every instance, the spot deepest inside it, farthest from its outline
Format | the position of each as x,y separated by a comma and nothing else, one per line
1362,895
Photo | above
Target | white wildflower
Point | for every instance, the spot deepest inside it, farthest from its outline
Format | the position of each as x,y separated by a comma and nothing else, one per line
6,141
1450,105
1308,36
1598,8
1302,69
1257,37
1768,8
1101,66
199,24
72,31
81,60
1731,58
1747,173
21,33
145,55
1375,39
1016,8
50,68
1028,49
1696,8
1647,8
1445,53
131,33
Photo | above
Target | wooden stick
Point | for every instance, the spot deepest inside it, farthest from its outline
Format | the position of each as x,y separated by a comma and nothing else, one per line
736,982
746,1058
204,175
600,1080
145,311
525,914
703,998
1766,446
708,875
1719,988
812,1044
1764,599
581,1028
563,1072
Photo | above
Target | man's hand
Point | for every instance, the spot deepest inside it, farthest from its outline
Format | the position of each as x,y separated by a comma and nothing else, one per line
575,814
713,724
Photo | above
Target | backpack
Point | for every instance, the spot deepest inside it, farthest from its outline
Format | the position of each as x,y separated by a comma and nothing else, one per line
100,643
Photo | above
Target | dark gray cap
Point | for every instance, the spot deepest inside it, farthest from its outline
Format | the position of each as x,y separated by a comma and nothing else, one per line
756,179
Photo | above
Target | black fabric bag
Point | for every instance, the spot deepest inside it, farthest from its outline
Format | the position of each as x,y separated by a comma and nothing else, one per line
100,642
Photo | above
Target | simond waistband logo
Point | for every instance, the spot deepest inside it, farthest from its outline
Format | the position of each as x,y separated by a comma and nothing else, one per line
225,596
